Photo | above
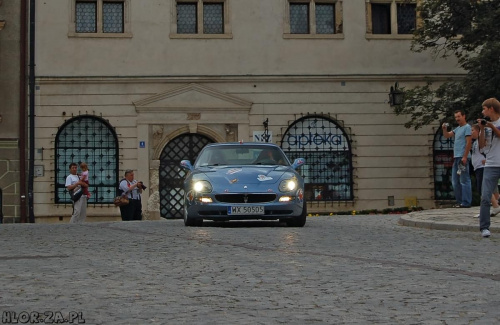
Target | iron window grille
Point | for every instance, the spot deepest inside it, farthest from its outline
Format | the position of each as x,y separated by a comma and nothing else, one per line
443,163
327,150
92,140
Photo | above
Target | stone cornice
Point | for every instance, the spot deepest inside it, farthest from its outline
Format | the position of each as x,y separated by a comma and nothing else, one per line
247,78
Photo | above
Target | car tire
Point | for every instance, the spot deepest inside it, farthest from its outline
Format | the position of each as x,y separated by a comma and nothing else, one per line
191,222
299,221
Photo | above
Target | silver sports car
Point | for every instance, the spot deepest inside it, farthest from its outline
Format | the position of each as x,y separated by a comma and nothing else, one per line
237,181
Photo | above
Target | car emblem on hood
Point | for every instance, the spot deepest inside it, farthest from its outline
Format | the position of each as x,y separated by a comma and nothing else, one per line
233,181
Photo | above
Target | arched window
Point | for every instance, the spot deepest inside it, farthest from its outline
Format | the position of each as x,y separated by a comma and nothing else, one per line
92,140
443,162
327,151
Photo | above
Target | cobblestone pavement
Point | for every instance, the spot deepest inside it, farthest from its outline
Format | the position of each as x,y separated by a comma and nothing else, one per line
335,270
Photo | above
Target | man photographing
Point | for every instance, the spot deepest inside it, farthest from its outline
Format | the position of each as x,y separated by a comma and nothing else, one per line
461,150
489,141
132,189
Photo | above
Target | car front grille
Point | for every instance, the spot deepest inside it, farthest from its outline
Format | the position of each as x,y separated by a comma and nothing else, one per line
245,198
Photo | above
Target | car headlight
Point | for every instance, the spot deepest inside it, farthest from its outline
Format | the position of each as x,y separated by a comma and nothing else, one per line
202,187
288,185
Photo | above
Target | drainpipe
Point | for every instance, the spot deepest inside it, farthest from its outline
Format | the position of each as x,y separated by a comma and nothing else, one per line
31,112
22,111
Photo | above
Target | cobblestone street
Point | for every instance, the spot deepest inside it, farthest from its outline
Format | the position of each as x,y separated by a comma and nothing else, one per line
335,270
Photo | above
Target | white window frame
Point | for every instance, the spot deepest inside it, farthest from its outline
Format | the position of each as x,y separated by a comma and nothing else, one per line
394,19
227,25
127,33
339,33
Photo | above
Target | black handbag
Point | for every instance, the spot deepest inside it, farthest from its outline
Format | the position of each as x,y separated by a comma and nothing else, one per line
76,196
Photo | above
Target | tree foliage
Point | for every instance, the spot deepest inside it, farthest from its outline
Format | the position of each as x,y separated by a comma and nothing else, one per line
470,31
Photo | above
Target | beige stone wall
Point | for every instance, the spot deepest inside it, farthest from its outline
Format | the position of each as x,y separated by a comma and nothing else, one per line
9,109
257,46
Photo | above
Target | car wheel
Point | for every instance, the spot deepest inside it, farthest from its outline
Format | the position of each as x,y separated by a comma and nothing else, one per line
190,221
300,220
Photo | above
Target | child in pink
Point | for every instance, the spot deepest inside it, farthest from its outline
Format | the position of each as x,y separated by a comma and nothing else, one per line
84,176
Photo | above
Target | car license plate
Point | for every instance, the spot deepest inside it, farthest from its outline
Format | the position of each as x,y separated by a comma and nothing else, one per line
245,210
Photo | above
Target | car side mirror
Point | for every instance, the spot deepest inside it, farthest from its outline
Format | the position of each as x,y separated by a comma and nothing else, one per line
186,164
298,162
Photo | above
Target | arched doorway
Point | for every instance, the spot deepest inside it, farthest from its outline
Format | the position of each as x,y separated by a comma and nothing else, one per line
184,146
443,163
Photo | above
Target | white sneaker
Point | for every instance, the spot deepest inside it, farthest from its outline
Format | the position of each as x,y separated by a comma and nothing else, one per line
485,233
495,211
476,216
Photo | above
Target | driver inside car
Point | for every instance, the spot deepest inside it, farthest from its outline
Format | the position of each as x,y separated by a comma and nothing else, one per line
268,157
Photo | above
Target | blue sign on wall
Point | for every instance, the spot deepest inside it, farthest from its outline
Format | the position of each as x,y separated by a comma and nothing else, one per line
142,144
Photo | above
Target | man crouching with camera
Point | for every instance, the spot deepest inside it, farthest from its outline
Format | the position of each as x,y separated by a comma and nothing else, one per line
132,189
489,142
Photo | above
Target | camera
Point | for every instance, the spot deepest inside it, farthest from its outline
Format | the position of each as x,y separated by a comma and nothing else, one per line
485,120
142,185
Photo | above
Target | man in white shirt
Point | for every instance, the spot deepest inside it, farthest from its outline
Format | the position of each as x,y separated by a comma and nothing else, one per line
73,183
489,141
132,189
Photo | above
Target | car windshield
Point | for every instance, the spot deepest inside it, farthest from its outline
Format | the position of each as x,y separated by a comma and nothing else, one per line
241,155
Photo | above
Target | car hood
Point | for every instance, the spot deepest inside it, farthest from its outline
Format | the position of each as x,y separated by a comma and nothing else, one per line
245,174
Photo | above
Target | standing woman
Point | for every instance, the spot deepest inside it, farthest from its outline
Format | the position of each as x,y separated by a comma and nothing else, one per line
132,189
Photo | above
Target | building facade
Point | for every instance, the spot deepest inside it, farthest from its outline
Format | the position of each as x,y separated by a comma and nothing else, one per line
12,112
142,84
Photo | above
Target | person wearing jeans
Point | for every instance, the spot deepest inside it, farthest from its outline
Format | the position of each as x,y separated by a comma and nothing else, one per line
478,159
489,142
460,180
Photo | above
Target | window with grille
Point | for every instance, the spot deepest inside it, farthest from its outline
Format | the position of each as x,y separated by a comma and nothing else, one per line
100,18
187,18
313,17
201,18
91,140
443,163
299,18
327,151
112,17
391,17
86,17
